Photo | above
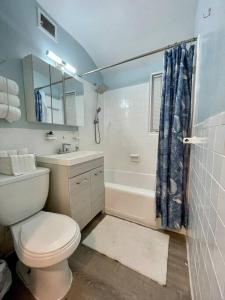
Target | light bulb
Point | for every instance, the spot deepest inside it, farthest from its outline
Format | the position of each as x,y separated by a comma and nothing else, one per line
70,68
54,57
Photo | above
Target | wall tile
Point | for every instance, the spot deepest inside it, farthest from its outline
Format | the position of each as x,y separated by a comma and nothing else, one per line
219,146
126,124
206,232
221,204
219,168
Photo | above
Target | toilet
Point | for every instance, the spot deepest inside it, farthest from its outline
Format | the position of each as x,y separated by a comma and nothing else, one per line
42,240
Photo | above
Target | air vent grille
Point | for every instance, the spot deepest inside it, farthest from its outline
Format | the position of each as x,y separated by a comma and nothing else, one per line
47,25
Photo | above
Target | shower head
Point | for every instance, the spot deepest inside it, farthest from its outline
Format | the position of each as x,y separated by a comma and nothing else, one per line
102,88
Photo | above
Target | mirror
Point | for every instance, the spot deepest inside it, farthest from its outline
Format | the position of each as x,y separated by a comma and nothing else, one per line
74,102
52,96
42,91
57,103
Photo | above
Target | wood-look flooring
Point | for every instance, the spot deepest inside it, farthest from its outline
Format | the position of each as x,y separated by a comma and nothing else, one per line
97,277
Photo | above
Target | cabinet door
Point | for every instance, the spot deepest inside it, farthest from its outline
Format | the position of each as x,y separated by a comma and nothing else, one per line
97,191
80,199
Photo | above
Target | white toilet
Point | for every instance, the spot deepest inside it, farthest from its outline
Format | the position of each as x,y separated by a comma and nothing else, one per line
43,241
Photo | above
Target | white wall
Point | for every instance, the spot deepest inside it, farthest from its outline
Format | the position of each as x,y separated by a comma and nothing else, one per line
210,101
206,235
33,139
126,123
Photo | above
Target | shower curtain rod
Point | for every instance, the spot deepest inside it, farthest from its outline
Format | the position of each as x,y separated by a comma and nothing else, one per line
191,40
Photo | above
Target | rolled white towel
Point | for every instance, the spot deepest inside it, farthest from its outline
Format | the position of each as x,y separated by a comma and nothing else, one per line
3,110
12,87
9,99
10,113
13,115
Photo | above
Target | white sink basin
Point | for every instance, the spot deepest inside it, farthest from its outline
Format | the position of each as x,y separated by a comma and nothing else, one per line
70,159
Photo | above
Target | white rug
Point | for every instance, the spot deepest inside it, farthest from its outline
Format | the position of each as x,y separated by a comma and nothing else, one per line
139,248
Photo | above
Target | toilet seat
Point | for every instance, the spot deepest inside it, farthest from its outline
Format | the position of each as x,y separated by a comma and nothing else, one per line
45,239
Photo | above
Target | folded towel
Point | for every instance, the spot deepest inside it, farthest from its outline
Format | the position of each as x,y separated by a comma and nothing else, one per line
23,151
17,164
9,99
22,163
10,113
9,86
6,153
3,153
12,152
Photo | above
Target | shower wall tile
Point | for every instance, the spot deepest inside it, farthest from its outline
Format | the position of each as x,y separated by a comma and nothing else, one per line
86,133
126,130
206,233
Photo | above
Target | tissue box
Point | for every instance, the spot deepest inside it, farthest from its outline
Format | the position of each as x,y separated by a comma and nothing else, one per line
17,164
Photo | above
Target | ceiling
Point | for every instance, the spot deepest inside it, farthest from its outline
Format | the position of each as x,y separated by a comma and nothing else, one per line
113,30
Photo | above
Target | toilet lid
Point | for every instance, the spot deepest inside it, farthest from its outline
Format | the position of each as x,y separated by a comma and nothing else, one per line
47,232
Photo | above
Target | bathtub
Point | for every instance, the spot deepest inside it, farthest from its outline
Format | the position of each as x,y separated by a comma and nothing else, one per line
131,196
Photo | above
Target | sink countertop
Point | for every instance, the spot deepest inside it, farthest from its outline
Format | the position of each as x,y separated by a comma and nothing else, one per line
70,159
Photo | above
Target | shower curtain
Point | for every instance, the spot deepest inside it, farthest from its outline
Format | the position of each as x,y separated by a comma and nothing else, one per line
173,155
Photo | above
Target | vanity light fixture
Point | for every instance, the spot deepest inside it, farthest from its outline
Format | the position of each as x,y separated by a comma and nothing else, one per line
65,66
70,69
54,57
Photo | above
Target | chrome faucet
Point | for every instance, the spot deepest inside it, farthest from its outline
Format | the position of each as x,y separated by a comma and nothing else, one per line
66,148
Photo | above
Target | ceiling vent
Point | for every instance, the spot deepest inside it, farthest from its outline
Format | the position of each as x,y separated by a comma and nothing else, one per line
47,25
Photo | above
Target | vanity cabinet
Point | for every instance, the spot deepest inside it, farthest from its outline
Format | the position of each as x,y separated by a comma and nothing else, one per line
97,190
77,191
80,198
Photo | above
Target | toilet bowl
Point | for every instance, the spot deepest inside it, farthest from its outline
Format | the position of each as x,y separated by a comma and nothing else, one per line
43,243
43,240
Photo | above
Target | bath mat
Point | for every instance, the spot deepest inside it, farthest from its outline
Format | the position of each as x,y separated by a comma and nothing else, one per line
139,248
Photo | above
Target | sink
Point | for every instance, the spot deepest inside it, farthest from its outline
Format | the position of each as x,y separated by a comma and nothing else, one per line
70,159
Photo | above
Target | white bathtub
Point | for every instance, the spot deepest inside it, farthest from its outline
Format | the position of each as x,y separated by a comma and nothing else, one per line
131,196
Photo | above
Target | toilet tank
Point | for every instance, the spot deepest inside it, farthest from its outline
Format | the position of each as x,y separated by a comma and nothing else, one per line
22,196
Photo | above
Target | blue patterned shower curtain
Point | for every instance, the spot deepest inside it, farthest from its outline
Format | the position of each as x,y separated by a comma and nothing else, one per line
173,155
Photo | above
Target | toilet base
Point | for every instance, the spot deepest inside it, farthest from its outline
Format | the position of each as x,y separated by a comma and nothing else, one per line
51,283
